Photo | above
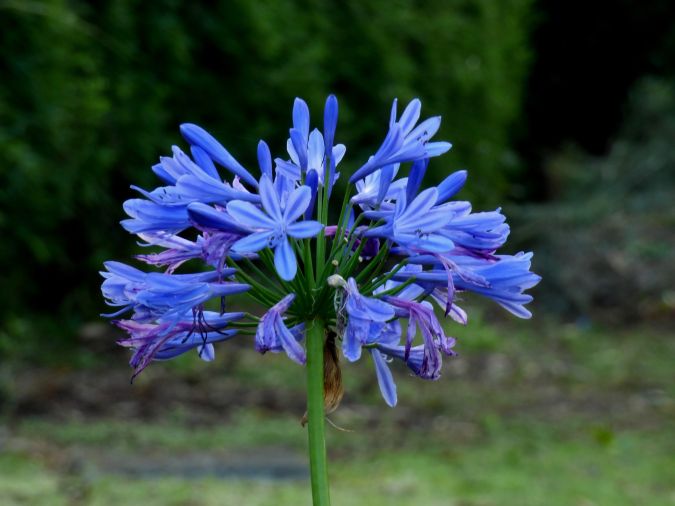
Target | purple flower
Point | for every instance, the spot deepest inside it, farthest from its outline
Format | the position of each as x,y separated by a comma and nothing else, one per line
415,356
211,247
421,315
273,227
273,335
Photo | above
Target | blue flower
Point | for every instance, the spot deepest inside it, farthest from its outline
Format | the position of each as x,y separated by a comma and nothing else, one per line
273,227
308,150
366,320
378,186
170,169
155,295
148,216
200,138
189,182
502,278
440,249
273,335
405,142
416,225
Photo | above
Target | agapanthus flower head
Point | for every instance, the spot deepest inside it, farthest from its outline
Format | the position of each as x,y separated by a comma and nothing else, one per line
377,280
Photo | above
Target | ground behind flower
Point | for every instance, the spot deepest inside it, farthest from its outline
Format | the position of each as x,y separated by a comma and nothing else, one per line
557,414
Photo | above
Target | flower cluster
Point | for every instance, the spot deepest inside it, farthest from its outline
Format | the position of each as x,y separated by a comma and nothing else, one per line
377,277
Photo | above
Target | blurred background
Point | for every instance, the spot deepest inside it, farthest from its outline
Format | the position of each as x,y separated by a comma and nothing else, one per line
564,114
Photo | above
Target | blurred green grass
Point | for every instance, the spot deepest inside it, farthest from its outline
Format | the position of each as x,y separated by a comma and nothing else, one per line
542,414
528,466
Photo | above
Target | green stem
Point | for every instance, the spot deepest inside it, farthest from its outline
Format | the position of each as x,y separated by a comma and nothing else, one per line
315,413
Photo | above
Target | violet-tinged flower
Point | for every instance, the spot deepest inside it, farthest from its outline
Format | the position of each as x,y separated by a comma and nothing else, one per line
168,339
212,247
421,315
273,335
273,227
413,357
405,142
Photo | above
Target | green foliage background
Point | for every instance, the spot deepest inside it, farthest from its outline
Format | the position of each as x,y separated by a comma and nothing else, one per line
93,92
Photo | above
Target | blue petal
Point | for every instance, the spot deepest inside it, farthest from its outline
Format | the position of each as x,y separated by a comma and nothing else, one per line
386,175
265,159
312,182
291,346
297,203
437,148
451,185
284,260
149,216
304,229
351,344
204,161
301,117
410,116
384,378
393,113
270,199
431,219
252,243
287,169
378,310
315,151
203,188
197,136
300,145
420,205
207,217
206,352
249,215
330,117
339,151
417,172
427,129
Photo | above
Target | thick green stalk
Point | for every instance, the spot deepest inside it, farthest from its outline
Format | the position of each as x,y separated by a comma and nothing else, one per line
315,413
